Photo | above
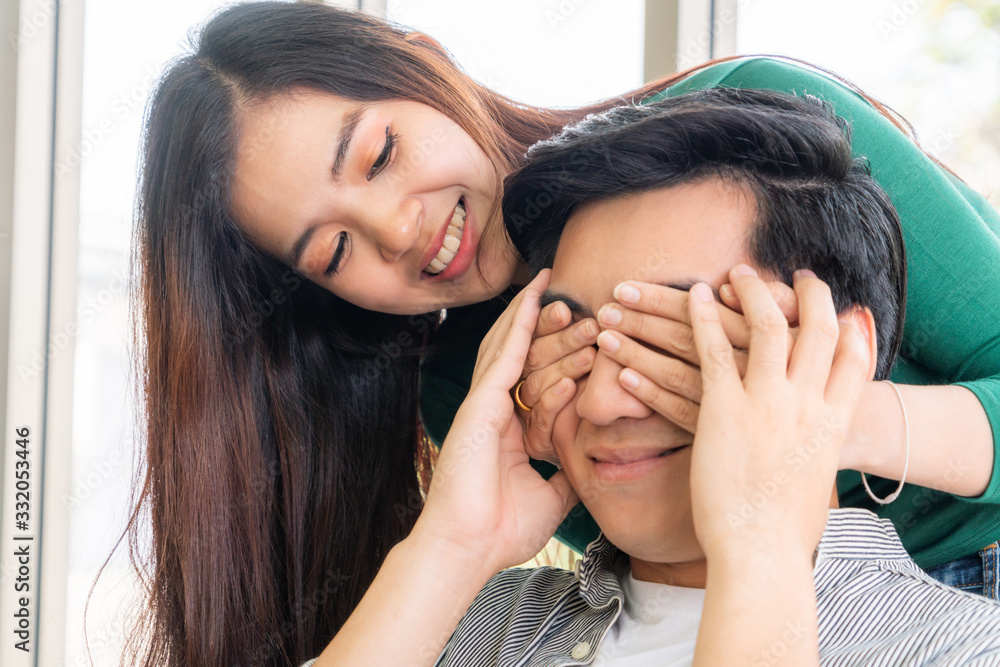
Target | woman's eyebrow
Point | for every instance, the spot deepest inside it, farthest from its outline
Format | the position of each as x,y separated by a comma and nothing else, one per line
295,256
575,307
351,120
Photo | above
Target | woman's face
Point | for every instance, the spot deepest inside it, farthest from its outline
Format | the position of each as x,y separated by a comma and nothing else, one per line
388,204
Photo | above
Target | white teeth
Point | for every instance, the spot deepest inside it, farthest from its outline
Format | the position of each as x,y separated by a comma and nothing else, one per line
445,256
452,240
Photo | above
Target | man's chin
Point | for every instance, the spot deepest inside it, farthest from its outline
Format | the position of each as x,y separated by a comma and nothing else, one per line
658,539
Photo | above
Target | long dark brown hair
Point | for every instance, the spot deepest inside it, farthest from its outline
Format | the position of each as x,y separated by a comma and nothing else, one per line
281,423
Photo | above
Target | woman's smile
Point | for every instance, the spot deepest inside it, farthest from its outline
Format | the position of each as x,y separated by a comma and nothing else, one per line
457,253
447,241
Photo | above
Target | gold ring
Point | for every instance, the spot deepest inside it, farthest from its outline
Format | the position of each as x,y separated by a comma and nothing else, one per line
517,396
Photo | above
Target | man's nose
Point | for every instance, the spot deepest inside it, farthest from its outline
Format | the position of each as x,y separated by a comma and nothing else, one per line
602,399
395,226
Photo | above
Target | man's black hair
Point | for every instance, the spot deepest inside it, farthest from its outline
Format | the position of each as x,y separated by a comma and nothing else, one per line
817,206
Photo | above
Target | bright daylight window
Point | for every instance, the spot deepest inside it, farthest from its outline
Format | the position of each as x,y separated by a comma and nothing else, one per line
933,61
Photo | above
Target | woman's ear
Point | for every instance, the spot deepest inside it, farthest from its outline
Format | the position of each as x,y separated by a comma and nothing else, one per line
424,38
865,322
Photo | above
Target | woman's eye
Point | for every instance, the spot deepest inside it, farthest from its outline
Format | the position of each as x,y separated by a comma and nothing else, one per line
383,158
343,245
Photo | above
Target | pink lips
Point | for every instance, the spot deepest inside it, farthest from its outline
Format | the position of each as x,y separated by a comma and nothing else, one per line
630,464
624,455
435,247
465,256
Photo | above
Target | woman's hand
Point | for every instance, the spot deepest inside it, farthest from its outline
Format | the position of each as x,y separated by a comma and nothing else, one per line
486,509
767,446
561,352
485,499
654,315
764,463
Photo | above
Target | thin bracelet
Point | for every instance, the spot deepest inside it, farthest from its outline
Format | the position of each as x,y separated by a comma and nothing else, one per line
906,466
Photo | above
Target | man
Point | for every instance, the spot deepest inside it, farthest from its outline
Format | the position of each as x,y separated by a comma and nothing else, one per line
676,193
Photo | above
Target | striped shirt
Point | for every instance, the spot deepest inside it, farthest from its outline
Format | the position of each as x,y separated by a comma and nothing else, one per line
876,607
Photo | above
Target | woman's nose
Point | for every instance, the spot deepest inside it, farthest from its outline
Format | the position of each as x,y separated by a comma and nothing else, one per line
395,229
602,399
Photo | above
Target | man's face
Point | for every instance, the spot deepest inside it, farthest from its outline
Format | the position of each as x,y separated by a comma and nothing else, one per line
630,465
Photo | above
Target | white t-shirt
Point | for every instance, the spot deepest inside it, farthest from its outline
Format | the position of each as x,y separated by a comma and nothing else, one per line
658,625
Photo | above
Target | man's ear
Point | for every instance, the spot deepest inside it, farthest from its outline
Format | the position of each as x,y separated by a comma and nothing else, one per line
865,322
424,38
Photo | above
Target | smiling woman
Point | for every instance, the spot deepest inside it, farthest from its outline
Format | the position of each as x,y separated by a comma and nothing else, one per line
360,198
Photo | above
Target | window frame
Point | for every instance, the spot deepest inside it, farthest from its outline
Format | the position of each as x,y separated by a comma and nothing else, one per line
43,50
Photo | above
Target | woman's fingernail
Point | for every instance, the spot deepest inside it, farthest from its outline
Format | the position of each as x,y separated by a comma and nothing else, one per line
582,357
587,331
559,312
626,293
608,342
726,291
609,315
805,273
628,378
702,292
560,387
744,270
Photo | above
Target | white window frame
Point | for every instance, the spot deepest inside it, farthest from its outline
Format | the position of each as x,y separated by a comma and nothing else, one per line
684,33
41,58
